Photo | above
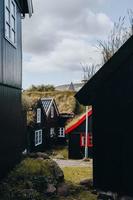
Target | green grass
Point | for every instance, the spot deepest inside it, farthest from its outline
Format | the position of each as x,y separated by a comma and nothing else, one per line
65,99
76,174
82,195
73,175
59,152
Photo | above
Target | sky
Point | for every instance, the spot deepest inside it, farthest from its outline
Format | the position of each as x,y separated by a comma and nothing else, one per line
63,35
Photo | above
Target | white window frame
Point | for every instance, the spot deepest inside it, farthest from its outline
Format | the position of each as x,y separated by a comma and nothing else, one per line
38,115
82,141
61,132
52,132
38,137
10,21
52,111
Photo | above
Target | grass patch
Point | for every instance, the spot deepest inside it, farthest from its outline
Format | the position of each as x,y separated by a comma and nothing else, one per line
65,99
75,174
82,195
60,152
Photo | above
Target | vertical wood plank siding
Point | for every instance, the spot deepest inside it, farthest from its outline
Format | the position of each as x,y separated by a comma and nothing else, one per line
12,138
12,132
10,56
1,35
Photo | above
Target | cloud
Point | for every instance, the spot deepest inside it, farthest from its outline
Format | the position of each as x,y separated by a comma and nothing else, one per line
60,35
68,57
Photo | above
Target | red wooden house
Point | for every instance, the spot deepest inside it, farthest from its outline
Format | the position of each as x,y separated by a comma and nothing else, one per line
76,133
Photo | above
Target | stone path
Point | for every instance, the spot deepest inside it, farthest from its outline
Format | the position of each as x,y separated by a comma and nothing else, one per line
73,163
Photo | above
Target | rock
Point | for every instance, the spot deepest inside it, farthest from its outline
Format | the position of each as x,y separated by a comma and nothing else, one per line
38,155
86,159
87,183
59,156
58,173
63,189
51,190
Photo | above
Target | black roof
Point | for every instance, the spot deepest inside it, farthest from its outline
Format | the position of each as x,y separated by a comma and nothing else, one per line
88,92
25,6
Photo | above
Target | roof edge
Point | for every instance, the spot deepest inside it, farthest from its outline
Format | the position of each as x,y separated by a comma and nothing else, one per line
76,124
87,93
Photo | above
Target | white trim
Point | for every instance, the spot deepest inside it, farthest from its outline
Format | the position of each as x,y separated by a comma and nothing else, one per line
52,102
52,111
38,115
38,137
61,132
52,132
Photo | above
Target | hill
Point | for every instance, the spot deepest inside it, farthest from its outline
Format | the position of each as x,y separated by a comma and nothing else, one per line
65,100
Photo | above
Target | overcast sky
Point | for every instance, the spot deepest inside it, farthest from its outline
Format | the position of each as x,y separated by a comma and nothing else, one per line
62,34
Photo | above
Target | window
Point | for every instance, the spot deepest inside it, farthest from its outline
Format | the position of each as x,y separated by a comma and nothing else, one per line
52,132
38,115
82,140
52,112
38,137
10,21
61,132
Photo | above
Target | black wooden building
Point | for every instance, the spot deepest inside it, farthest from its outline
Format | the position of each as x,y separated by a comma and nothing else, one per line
12,138
110,92
76,133
48,129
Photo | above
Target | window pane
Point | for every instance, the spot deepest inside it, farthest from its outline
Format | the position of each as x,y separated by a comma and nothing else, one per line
13,8
36,138
40,137
13,23
8,31
7,3
38,115
13,36
7,16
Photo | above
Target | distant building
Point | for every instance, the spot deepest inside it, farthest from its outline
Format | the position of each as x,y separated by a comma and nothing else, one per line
70,87
48,128
76,134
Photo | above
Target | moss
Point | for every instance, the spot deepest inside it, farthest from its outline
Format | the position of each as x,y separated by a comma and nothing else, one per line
30,177
65,99
75,174
59,153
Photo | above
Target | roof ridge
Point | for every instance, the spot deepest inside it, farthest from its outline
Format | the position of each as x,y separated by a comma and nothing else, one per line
78,122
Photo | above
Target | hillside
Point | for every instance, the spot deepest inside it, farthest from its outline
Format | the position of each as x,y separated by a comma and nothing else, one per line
65,100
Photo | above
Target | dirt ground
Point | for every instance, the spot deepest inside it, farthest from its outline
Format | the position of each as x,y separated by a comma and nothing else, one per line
73,163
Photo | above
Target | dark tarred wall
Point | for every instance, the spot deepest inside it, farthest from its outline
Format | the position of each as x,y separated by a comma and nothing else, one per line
74,149
12,135
113,132
12,132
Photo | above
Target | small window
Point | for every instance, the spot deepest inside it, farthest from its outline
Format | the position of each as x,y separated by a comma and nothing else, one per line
10,21
82,140
52,132
61,132
52,112
38,137
39,115
90,140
